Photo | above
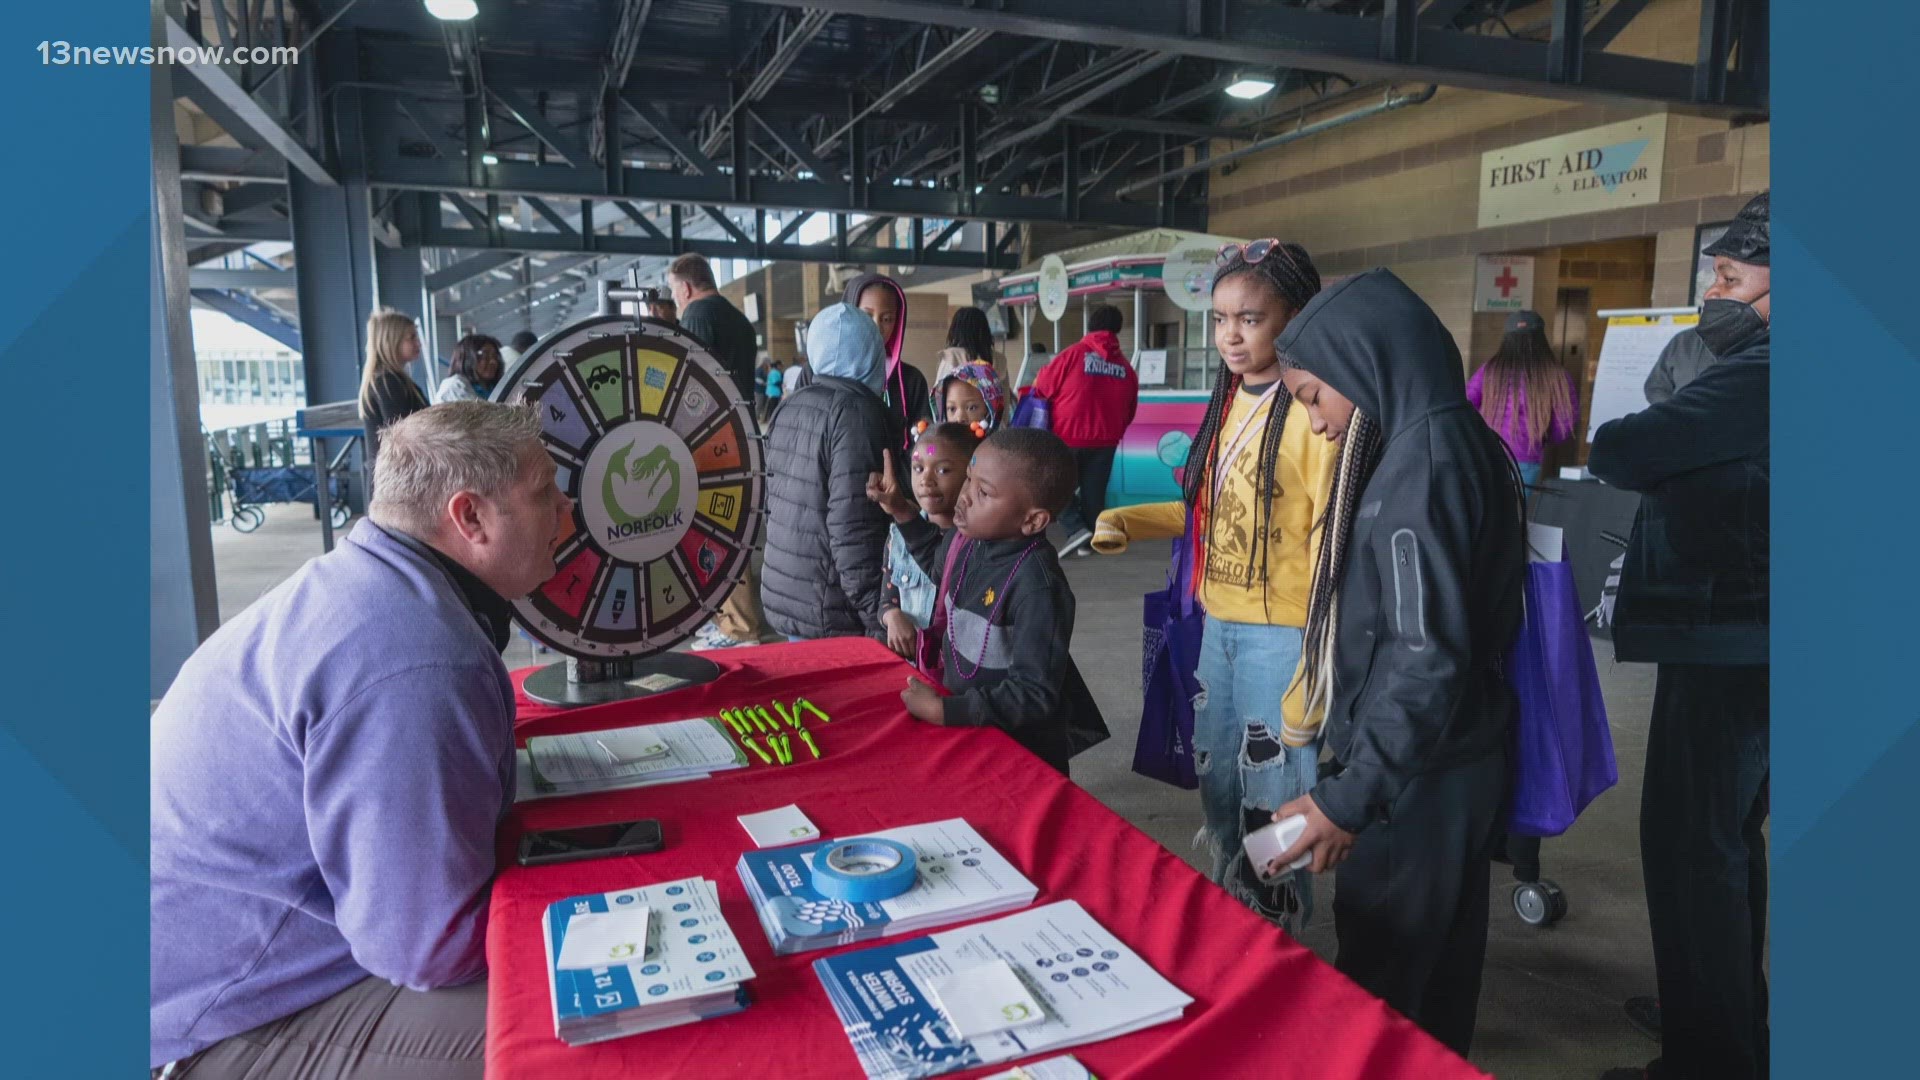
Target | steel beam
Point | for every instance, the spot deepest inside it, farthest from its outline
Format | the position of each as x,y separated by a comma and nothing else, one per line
245,109
202,277
467,269
720,248
528,117
1278,35
223,164
510,179
669,133
183,603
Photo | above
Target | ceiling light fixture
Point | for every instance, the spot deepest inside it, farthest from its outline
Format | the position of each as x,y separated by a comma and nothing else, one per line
453,10
489,159
505,219
1248,86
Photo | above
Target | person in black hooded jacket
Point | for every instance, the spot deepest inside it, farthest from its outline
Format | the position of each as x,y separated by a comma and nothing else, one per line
1416,599
1694,597
826,542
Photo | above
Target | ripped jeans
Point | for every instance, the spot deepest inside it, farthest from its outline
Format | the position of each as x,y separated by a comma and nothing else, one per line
1246,772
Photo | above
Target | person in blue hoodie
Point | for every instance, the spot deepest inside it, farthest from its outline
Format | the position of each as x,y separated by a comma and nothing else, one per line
826,543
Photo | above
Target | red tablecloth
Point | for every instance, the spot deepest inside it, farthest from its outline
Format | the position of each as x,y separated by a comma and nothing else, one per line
1264,1005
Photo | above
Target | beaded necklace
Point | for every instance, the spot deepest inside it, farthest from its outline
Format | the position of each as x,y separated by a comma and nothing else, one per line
999,598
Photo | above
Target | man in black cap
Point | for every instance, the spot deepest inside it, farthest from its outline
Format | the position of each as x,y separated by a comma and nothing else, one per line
1693,599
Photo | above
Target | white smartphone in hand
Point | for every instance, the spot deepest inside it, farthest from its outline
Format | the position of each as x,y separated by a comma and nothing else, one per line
1269,843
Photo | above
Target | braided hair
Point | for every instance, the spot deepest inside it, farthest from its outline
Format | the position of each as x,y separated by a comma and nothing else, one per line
1359,453
1288,273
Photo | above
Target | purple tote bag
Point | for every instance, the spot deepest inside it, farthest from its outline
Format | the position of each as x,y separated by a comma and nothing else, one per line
1562,748
1172,624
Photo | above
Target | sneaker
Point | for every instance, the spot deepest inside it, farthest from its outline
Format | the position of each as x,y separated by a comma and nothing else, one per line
1077,542
709,637
1644,1014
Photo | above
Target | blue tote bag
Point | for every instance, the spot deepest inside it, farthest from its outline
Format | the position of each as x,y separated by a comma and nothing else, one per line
1033,411
1562,748
1172,624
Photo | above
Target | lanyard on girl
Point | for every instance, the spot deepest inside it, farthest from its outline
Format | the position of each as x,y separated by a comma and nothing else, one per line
999,598
1241,436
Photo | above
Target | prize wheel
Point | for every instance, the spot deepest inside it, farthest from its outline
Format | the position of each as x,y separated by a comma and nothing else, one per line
654,445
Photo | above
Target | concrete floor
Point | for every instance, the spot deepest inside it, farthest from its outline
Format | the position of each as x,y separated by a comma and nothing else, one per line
1550,1006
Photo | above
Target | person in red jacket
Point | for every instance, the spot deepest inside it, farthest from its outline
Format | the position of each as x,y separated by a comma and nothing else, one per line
1093,391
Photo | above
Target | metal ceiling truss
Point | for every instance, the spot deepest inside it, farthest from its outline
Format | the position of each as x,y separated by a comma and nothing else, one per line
1388,41
584,234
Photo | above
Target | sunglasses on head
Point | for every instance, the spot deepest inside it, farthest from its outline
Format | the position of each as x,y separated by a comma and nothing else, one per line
1251,252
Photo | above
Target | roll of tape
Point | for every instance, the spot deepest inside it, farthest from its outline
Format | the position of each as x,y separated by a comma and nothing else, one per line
863,871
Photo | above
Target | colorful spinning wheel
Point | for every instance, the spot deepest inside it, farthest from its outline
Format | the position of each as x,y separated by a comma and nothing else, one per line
659,454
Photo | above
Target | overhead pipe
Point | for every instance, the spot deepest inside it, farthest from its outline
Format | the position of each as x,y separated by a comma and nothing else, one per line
1282,139
785,53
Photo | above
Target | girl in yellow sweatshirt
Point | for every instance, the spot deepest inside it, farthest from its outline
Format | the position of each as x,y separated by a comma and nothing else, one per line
1255,484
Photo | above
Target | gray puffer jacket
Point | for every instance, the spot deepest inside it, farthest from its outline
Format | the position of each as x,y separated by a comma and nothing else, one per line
826,541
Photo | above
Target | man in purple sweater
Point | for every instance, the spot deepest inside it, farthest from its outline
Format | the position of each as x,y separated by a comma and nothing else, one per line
329,770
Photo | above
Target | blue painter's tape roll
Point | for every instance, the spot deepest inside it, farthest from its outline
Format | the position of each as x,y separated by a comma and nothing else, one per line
863,871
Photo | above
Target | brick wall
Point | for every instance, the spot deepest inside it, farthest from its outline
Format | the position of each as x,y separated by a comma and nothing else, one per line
1401,189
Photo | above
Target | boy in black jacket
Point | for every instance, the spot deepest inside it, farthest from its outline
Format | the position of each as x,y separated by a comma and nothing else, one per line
1004,610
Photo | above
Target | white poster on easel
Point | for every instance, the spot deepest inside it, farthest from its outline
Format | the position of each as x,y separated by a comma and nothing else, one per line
1632,343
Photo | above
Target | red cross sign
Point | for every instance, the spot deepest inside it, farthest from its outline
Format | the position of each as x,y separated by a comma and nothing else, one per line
1506,281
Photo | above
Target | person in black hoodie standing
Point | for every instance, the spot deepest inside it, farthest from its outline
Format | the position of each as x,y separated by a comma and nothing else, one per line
1694,593
1416,598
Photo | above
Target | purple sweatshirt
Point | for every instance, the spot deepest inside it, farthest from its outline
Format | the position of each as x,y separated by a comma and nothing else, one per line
329,772
1513,429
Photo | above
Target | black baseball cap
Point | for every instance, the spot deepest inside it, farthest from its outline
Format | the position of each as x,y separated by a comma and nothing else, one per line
1525,320
1750,238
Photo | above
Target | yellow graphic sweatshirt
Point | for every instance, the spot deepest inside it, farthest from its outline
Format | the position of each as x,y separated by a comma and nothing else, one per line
1274,594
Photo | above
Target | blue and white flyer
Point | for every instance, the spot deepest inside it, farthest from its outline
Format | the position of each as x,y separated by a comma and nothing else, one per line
960,877
691,969
1092,986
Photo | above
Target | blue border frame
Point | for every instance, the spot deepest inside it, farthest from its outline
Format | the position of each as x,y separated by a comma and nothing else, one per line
73,746
73,762
1844,589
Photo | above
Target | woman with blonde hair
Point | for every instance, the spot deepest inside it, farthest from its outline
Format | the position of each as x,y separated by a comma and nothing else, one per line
387,392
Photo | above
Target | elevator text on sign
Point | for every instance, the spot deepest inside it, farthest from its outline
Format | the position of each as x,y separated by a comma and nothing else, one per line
1597,169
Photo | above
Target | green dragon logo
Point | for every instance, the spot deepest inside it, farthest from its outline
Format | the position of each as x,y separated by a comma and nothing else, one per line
652,482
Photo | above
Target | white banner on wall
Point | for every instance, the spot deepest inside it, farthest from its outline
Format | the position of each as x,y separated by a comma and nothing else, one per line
1597,169
1502,282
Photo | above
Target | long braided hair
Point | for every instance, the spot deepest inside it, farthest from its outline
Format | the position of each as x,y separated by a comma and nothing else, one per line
1288,272
1359,453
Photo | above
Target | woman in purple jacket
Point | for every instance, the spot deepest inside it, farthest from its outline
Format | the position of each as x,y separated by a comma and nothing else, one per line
1524,393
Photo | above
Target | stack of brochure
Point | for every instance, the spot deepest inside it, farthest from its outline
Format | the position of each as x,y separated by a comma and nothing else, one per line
961,877
626,758
691,967
1090,985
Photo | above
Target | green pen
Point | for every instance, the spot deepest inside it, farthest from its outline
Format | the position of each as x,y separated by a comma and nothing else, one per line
772,724
732,721
807,737
787,716
778,751
803,703
747,713
747,741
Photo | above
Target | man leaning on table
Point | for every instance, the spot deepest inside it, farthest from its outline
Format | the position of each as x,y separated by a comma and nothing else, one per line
329,771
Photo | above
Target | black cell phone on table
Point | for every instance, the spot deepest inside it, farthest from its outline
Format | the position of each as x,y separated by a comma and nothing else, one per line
590,842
